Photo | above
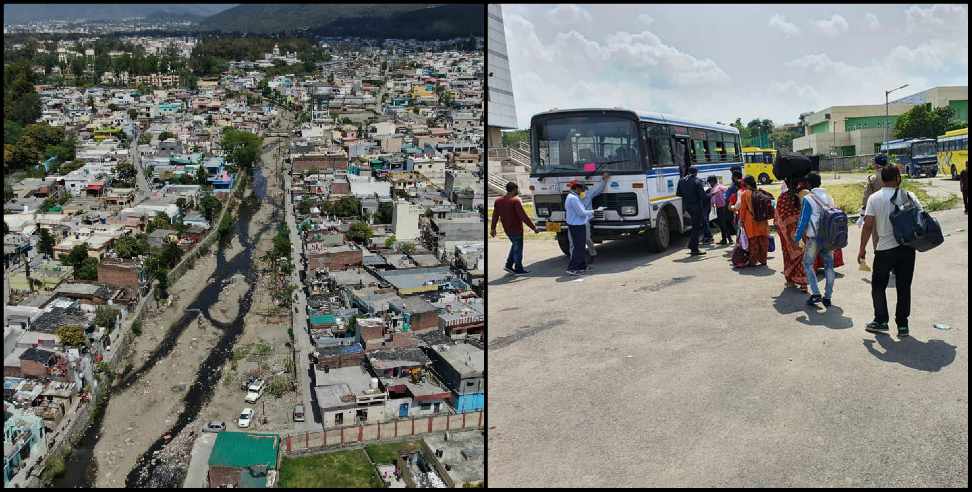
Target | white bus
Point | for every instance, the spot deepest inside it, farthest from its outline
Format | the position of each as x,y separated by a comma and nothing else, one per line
645,153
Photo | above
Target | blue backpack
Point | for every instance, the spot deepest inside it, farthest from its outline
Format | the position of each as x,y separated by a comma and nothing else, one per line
832,228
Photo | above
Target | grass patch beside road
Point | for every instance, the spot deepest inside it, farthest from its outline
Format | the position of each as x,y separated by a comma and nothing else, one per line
343,469
387,454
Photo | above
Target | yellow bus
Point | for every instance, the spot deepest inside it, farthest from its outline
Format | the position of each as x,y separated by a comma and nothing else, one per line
953,152
759,164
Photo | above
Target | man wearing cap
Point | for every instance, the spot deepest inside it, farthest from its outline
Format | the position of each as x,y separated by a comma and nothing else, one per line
588,197
577,218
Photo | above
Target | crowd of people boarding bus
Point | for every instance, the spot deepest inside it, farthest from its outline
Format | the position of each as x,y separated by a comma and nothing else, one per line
812,232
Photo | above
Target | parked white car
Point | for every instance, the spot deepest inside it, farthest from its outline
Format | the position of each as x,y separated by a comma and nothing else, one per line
253,396
245,418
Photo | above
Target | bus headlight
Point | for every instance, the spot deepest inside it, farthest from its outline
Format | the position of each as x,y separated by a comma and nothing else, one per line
543,212
629,210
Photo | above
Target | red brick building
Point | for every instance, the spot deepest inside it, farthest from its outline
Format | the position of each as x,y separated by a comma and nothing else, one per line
334,258
325,163
120,273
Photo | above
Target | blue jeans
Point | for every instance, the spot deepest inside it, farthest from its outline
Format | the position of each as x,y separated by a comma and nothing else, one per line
809,256
515,258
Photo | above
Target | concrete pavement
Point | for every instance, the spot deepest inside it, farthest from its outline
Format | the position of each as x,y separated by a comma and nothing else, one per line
666,370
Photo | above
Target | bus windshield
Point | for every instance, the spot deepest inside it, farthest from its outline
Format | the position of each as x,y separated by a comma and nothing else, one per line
584,144
923,149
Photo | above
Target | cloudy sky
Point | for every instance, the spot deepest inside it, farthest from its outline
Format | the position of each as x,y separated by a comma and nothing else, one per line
720,62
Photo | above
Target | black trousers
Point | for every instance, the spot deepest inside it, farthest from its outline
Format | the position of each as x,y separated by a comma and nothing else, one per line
724,216
901,261
578,247
698,222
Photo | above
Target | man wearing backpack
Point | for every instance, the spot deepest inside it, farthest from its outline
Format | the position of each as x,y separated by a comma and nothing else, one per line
873,184
692,191
889,255
825,227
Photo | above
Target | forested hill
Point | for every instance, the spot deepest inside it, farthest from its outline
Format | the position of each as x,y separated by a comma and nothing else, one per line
419,21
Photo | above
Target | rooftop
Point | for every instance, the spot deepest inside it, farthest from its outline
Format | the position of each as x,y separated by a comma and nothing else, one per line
468,360
243,449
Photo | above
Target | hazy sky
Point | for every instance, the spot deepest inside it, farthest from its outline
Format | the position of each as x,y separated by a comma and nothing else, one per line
719,62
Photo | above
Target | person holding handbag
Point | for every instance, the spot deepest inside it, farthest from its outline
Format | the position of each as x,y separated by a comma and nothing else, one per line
889,255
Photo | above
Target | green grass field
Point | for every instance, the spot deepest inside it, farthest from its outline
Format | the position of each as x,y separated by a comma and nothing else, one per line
342,469
387,454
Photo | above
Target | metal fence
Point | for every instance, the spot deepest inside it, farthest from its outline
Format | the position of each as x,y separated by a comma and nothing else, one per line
302,442
847,164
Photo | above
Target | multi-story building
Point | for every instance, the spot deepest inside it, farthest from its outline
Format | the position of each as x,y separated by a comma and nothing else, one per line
860,129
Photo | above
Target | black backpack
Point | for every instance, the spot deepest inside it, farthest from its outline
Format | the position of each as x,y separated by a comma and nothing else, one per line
762,205
914,227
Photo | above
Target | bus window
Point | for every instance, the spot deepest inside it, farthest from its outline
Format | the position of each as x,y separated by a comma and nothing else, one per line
731,150
698,151
660,143
767,157
720,148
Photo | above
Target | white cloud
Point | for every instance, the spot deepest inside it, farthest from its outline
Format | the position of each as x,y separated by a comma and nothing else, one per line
645,19
615,60
569,14
834,26
779,22
872,22
938,20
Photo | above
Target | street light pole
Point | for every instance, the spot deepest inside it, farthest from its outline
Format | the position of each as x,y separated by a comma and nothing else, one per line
886,93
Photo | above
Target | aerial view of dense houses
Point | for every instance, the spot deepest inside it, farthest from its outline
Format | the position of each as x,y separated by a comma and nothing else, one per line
385,207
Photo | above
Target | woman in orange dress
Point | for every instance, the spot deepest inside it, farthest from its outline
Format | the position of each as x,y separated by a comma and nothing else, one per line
786,217
757,231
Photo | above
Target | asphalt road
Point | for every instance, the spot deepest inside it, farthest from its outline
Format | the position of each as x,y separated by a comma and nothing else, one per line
661,370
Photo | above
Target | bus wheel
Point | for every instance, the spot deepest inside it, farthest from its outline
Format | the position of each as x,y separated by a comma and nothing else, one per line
764,179
660,236
564,242
954,174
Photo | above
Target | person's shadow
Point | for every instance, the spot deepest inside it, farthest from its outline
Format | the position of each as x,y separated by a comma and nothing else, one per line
832,317
930,356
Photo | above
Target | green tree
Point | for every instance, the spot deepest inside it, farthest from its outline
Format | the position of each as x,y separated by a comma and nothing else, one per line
46,243
77,255
171,252
360,232
922,121
106,316
210,206
165,135
87,270
129,246
408,248
71,335
70,166
384,214
202,177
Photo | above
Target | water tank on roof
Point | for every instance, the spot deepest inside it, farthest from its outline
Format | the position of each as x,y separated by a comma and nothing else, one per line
374,383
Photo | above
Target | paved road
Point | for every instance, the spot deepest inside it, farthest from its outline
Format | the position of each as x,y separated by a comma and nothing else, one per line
660,370
303,345
141,183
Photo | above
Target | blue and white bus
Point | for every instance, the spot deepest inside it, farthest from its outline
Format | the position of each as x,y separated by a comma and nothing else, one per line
917,155
645,153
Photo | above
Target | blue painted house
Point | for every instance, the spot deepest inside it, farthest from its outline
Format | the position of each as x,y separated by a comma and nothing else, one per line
23,440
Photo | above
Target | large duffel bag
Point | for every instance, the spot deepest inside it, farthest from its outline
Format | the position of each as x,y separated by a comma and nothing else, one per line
914,227
790,165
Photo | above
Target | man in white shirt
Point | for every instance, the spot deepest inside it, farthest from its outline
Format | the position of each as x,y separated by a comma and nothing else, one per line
889,255
577,218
